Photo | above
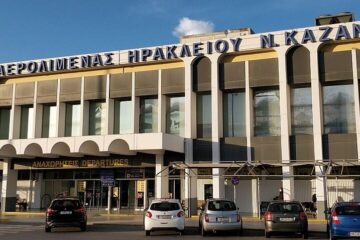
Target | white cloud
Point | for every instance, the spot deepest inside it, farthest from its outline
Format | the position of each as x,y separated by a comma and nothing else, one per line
189,26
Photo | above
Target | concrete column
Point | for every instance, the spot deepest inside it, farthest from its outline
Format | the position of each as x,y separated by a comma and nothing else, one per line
84,106
109,108
161,178
60,122
37,117
161,107
8,191
249,119
316,95
356,98
285,123
190,178
12,124
135,106
217,127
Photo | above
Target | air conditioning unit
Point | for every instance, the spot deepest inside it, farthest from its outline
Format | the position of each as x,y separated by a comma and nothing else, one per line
333,19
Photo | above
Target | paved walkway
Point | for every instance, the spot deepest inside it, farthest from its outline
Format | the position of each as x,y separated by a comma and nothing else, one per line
95,216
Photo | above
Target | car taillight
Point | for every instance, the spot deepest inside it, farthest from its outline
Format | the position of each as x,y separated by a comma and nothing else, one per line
149,214
335,218
50,211
180,214
238,218
268,216
302,216
206,218
80,210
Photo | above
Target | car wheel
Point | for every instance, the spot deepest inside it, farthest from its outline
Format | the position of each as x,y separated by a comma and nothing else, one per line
83,228
147,233
47,229
267,234
332,237
203,232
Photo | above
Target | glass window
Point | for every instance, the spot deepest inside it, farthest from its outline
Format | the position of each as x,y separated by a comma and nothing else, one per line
123,116
339,116
203,116
148,115
97,118
4,123
175,115
72,120
49,121
267,112
234,114
27,122
301,111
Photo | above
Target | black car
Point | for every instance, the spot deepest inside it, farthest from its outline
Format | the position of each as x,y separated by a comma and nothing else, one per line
65,212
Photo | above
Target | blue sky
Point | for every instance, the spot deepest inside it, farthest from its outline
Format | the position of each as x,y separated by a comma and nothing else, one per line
32,29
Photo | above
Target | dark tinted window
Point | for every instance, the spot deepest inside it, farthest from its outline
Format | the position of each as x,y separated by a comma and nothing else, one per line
285,207
221,206
68,204
348,210
165,206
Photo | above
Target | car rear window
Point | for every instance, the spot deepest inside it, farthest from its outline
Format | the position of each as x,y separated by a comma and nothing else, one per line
285,207
69,204
221,206
165,206
348,210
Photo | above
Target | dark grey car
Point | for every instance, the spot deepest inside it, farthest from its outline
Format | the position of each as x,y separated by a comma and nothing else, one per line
219,215
286,217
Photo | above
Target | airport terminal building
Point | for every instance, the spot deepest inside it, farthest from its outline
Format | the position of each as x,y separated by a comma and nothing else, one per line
229,114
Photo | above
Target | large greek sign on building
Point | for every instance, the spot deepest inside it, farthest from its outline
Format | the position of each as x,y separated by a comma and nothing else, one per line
169,52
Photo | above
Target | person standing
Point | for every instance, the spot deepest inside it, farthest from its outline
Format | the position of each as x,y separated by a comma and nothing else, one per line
281,194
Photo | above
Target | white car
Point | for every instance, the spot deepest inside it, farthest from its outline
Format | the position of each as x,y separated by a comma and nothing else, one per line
164,214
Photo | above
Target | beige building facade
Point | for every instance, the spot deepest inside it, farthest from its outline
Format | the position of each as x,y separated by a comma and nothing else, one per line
231,114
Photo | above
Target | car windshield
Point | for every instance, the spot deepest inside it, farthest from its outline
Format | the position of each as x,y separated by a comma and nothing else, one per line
221,206
285,207
348,210
165,206
68,204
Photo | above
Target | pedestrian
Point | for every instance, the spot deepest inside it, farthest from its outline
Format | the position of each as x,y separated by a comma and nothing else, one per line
281,194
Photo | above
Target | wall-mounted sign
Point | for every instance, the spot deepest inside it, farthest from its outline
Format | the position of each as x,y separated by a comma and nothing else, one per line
168,52
80,163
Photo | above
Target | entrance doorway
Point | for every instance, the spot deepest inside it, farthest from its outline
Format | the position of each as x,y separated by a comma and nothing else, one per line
93,194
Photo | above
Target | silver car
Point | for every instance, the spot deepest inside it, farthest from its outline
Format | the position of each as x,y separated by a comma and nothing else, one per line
219,215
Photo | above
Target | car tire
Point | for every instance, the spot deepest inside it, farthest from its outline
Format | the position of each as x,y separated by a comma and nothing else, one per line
147,233
267,234
83,228
47,229
203,232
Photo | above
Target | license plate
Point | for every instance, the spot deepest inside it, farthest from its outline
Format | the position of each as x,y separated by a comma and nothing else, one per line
223,220
354,234
65,212
286,219
164,216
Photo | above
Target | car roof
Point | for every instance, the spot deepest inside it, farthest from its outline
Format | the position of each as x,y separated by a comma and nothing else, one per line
66,198
347,203
165,200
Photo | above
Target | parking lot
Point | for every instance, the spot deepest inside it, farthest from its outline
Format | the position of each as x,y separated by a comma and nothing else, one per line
130,227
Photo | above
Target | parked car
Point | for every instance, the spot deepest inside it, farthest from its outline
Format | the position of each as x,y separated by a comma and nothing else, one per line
344,220
65,212
286,217
219,215
164,214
